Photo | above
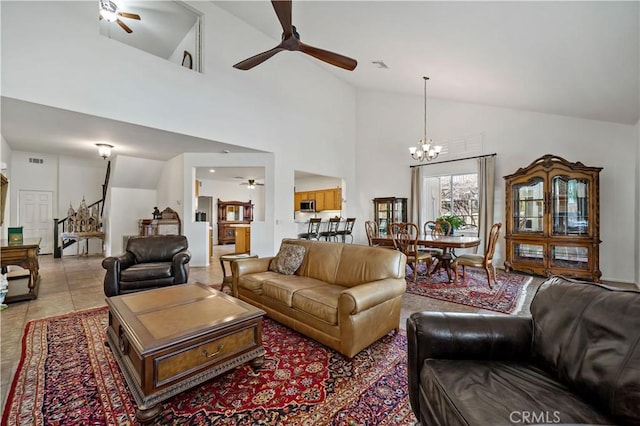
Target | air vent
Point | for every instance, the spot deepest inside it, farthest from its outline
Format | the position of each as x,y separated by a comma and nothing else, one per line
36,160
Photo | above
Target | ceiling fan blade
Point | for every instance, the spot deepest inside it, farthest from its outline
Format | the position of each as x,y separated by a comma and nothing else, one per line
329,57
124,26
129,15
283,11
257,59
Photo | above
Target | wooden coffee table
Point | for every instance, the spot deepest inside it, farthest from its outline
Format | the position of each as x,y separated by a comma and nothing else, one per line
170,339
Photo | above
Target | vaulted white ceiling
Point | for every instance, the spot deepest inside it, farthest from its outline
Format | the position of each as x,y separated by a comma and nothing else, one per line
578,59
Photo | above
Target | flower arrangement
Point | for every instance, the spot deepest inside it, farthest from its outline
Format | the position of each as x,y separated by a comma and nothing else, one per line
456,222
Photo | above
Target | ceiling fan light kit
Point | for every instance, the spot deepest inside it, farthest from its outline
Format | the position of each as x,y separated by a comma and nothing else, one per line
110,12
291,41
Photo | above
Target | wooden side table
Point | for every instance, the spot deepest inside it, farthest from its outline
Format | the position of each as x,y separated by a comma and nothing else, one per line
226,280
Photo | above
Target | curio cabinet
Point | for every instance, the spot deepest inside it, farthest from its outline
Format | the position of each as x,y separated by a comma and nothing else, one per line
553,219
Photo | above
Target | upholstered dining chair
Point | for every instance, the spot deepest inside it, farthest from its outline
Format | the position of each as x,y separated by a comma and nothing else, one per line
313,230
405,238
332,229
480,261
347,230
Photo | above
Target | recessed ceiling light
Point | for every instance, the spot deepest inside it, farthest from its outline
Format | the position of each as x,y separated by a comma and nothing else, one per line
212,170
225,151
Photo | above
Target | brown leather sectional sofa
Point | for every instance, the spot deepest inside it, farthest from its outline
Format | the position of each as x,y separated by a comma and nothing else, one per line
575,360
345,296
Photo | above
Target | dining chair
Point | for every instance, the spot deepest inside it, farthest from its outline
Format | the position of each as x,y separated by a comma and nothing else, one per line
480,261
348,229
332,229
437,228
312,231
371,229
405,238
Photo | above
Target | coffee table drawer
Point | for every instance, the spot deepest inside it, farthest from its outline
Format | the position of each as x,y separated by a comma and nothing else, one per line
191,359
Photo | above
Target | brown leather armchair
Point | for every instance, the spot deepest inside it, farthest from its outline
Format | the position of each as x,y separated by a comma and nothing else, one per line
148,262
575,360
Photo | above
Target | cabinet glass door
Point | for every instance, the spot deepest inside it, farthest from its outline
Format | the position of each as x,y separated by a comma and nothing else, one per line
570,257
532,253
570,206
384,217
528,206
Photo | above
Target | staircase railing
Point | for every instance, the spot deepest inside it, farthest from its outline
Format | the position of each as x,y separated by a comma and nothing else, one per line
60,225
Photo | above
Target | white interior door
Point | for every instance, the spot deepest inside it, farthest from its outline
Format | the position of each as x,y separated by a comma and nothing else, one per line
35,215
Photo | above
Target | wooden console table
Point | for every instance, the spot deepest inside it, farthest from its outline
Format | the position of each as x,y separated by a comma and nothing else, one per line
24,255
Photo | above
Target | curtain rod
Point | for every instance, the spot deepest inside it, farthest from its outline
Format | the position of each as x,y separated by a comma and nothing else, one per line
457,159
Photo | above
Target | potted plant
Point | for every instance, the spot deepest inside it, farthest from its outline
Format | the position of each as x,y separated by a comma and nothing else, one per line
454,221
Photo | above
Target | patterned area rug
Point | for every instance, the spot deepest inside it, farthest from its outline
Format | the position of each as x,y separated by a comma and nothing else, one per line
67,376
506,297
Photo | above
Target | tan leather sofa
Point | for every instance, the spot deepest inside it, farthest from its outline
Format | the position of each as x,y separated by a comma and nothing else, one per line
345,296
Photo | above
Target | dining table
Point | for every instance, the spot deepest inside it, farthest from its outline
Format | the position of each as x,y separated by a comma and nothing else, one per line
447,243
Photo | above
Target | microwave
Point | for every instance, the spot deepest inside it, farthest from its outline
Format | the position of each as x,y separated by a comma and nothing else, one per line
308,206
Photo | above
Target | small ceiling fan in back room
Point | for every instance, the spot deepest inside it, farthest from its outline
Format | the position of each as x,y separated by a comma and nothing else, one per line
110,12
251,183
291,41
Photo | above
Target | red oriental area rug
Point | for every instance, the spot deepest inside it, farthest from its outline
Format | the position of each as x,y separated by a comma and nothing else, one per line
67,376
506,297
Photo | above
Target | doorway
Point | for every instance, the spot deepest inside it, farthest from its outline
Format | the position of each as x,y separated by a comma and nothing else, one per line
35,215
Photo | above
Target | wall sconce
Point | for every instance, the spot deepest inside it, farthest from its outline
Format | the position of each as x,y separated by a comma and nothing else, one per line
104,150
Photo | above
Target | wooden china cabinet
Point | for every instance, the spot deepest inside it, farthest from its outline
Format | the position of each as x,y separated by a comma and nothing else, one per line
388,210
233,215
553,219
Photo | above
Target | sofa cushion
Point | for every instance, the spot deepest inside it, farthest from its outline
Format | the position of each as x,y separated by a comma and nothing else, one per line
283,287
288,259
146,271
253,282
491,393
592,343
321,302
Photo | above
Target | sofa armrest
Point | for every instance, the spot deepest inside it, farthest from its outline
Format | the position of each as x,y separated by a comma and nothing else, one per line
464,336
364,296
250,266
113,265
180,266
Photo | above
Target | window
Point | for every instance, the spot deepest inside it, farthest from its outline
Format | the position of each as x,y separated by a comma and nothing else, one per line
457,195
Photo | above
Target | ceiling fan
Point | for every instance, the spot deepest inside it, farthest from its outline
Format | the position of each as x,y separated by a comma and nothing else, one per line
110,12
291,41
251,183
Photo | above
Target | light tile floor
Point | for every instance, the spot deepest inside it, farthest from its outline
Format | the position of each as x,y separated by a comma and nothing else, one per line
75,283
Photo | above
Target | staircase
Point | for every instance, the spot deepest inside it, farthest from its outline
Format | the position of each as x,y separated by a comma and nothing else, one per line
67,224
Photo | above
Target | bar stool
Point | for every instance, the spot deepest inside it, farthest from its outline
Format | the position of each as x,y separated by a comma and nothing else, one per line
332,229
348,228
312,232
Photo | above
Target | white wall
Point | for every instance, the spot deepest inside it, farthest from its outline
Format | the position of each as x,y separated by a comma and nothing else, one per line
124,208
388,124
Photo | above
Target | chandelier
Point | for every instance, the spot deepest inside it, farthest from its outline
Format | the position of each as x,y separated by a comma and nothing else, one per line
425,149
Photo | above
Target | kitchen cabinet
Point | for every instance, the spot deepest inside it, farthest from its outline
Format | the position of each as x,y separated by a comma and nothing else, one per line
326,199
553,219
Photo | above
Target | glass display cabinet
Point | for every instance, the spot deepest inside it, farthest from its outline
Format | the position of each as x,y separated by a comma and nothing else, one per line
389,210
552,219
